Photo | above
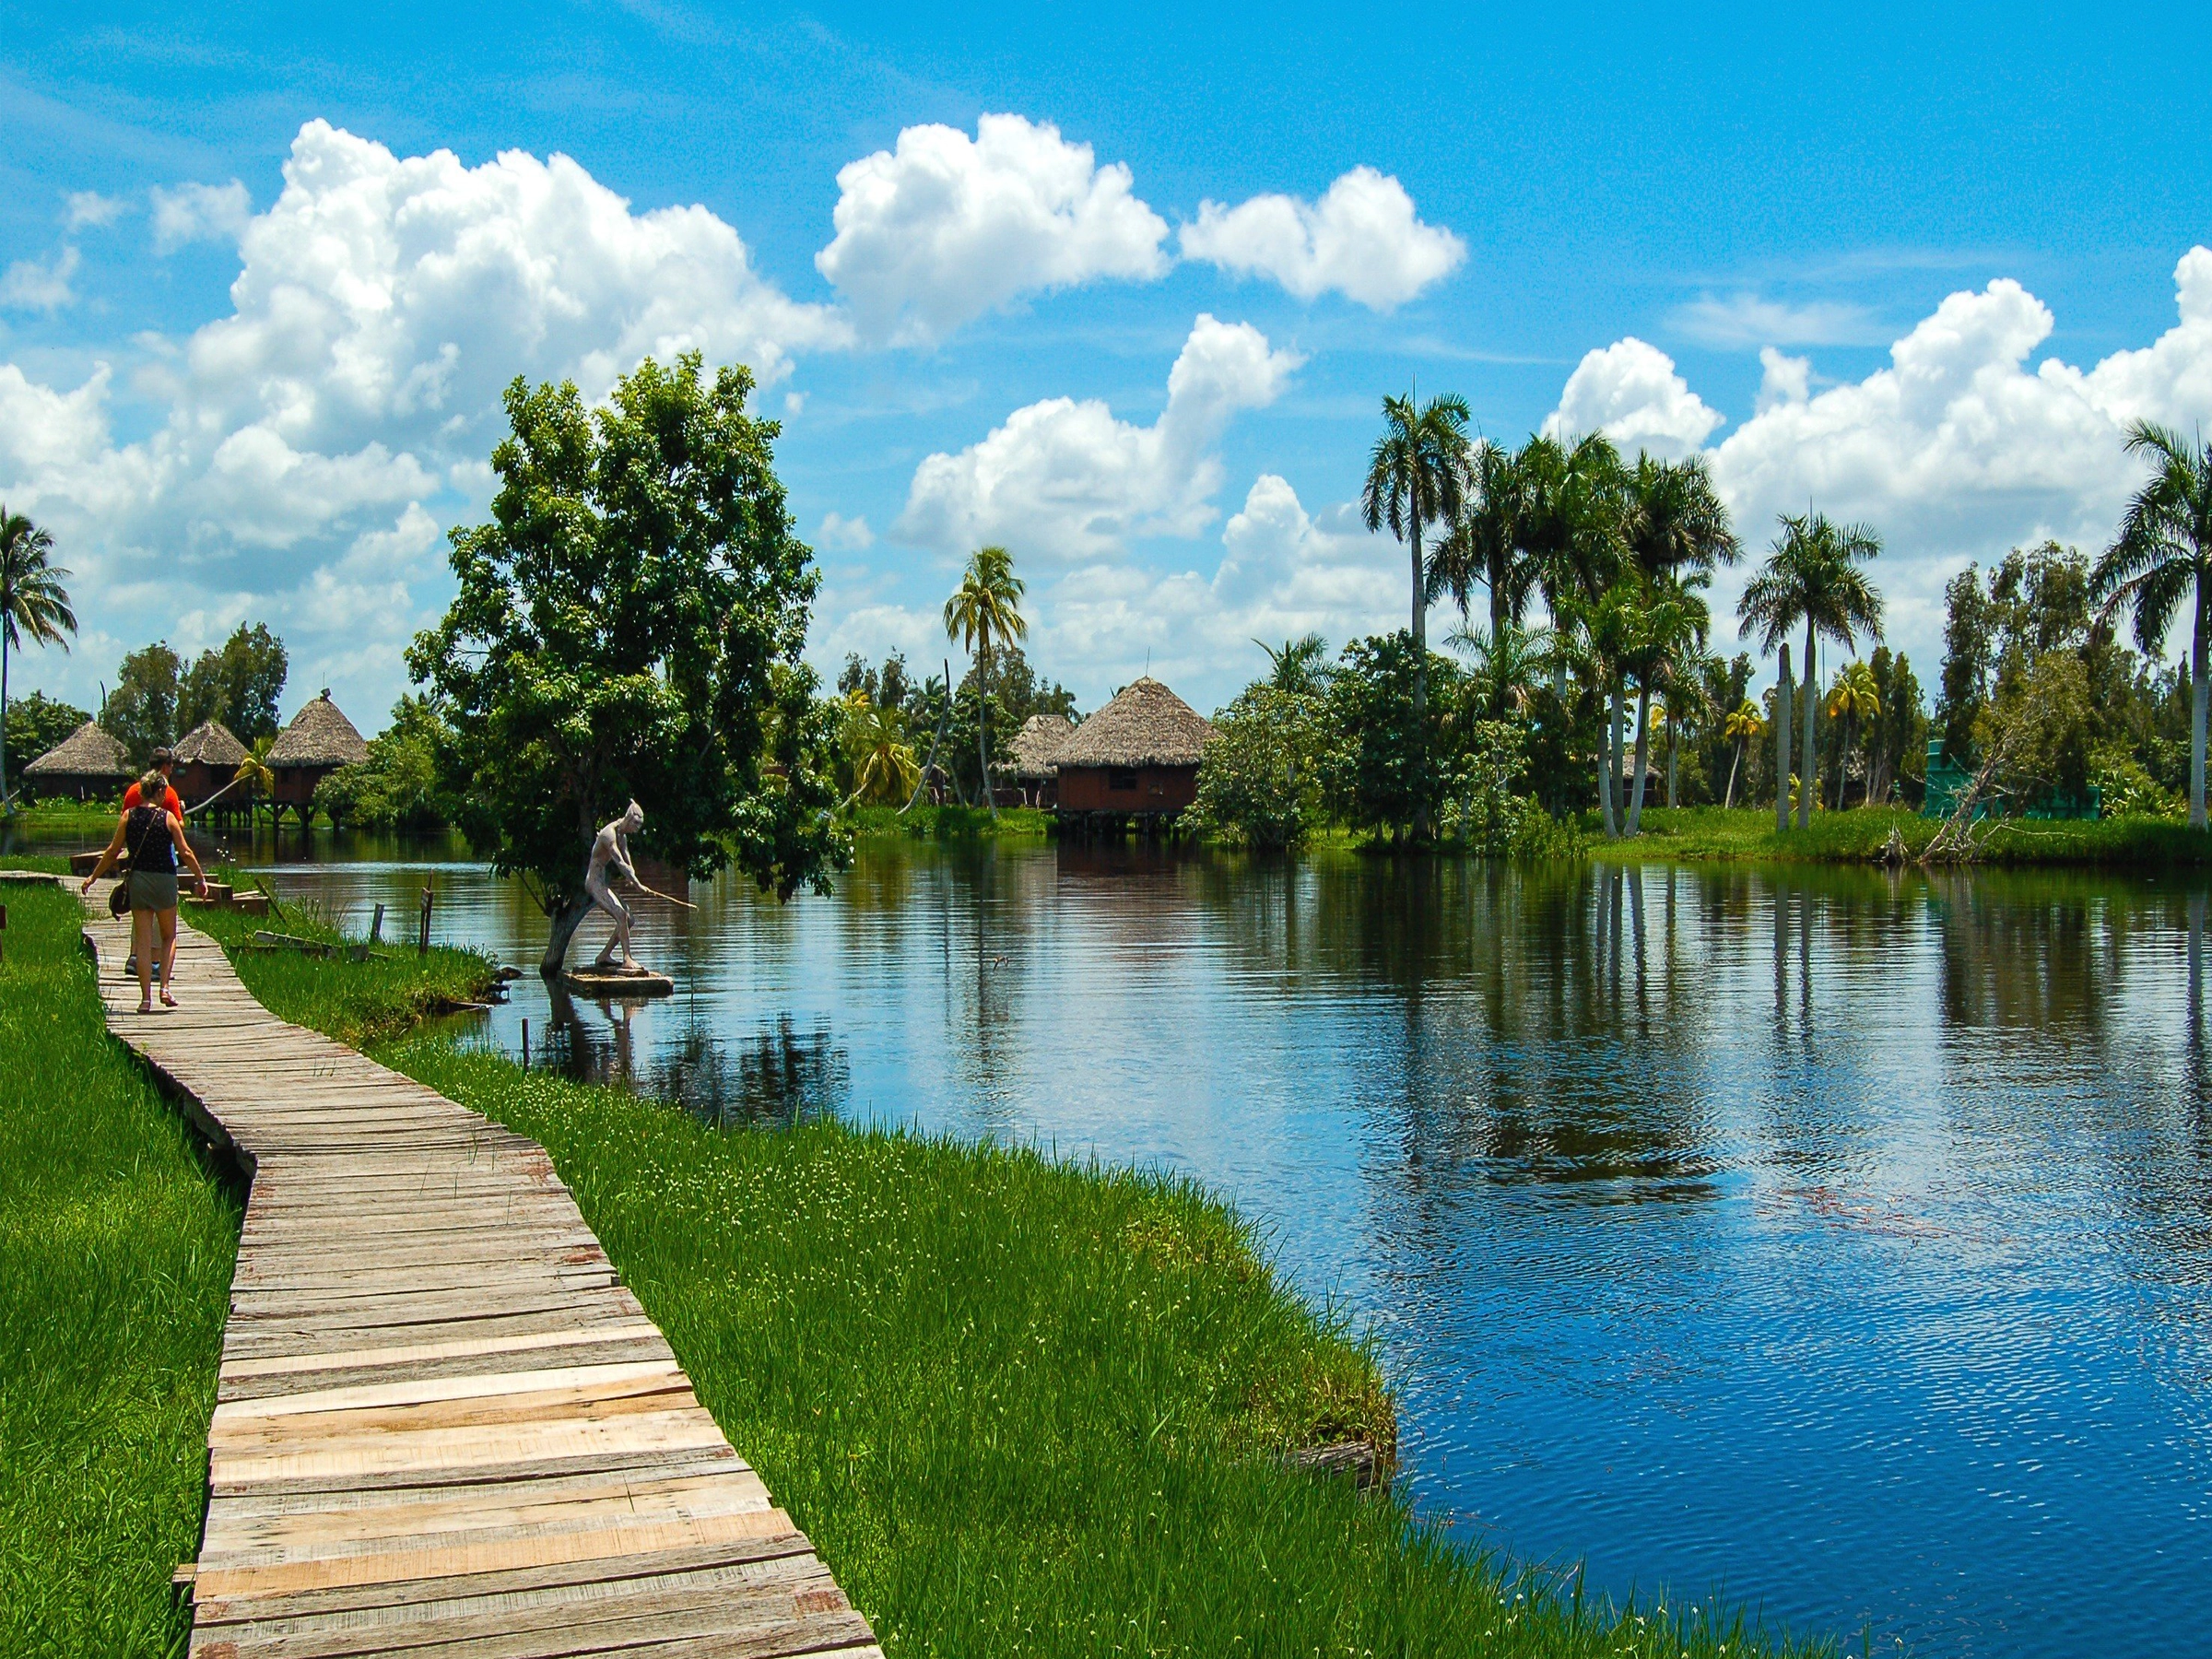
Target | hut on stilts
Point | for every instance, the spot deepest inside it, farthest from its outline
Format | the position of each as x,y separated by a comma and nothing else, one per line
90,764
1132,765
207,759
1032,758
316,744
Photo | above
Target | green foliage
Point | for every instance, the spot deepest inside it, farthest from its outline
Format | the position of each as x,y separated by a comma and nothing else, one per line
879,764
1482,813
142,709
2125,790
239,685
116,1244
397,787
35,723
628,624
1258,784
2039,722
1375,768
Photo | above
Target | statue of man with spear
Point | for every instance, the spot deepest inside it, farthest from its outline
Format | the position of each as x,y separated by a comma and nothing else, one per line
610,856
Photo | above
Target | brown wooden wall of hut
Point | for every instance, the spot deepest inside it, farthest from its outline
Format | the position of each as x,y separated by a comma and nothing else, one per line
1142,789
296,785
195,781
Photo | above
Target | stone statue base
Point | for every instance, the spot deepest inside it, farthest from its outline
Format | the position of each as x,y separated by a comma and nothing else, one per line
594,980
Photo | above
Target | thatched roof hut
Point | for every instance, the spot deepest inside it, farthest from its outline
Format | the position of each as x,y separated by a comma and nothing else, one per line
210,744
316,744
88,763
1145,725
1035,749
318,736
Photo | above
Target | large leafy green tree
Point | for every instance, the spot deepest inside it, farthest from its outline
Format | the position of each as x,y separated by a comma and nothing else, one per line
630,624
1813,576
142,709
239,685
1417,478
2162,559
982,616
1257,782
1375,763
33,604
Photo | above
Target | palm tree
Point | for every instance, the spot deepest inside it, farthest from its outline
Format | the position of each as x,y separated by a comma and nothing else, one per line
1488,544
1813,576
2163,557
1507,659
884,768
33,604
1743,727
1416,477
1666,623
1675,523
1299,666
1575,528
984,613
1856,698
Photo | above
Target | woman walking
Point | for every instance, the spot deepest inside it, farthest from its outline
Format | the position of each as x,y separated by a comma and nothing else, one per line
155,837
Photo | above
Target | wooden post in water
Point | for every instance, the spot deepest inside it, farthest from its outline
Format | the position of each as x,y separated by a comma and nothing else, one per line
525,1045
422,946
376,927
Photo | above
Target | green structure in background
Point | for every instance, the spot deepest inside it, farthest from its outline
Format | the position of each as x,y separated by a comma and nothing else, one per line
1948,781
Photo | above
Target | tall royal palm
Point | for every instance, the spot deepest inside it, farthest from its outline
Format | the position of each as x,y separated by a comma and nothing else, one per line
33,604
1813,576
2161,559
983,613
1416,478
1677,531
1489,545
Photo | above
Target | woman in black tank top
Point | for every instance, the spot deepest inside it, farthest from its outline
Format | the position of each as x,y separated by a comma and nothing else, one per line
153,839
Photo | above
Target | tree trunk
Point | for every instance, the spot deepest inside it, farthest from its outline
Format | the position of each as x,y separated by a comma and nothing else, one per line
1643,746
2196,714
1673,748
1785,696
982,743
1610,763
1497,628
566,921
3,717
1420,675
1808,785
1729,799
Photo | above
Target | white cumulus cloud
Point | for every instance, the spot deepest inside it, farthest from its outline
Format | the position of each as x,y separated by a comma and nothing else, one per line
1961,447
1361,239
945,228
82,207
1630,390
192,213
1063,480
843,534
303,451
40,285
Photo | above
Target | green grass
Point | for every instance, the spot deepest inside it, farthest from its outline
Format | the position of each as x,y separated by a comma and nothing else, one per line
116,1242
1020,1407
1856,836
67,817
954,823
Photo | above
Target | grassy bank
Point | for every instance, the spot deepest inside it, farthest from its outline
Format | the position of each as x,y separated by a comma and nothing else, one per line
1022,1407
954,823
116,1244
1857,836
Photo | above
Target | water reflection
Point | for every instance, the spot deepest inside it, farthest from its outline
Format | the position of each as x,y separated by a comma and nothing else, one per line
1841,1236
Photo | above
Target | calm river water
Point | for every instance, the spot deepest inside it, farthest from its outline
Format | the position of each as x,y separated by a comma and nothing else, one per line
1832,1241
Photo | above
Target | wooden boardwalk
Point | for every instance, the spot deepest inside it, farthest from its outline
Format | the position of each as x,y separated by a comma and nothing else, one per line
443,1426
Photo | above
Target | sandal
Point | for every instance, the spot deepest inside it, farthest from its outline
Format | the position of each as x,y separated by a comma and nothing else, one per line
167,1000
146,1006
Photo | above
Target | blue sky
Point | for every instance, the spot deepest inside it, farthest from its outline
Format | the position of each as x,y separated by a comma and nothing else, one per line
234,397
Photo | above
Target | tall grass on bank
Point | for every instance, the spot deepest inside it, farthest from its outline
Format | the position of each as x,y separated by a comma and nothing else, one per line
116,1242
1022,1407
954,822
1857,836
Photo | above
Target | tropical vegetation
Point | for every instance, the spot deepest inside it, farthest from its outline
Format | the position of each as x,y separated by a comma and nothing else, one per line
34,605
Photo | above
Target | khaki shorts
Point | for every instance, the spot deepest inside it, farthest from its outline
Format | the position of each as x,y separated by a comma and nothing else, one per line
153,890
